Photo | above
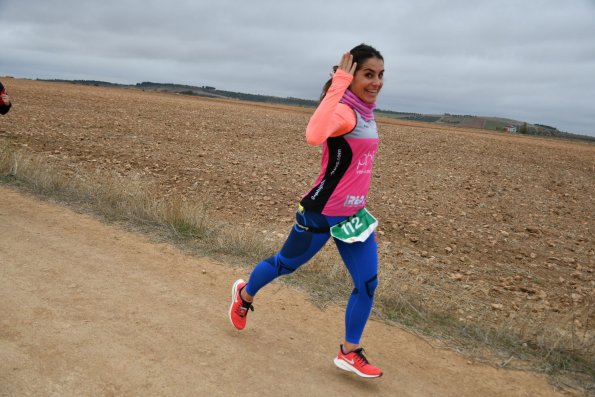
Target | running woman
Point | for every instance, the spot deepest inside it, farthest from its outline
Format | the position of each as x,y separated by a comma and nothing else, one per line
4,100
335,206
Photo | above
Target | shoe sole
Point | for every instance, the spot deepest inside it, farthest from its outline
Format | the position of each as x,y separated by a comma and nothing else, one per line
234,291
346,367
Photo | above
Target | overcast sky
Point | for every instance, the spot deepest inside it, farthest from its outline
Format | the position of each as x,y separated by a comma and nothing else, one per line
531,60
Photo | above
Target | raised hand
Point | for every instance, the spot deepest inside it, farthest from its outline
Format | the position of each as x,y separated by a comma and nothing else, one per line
347,64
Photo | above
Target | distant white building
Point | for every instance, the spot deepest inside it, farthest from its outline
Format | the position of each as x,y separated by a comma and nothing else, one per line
510,128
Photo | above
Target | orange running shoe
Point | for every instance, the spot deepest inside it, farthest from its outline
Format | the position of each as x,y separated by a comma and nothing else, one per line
355,361
239,308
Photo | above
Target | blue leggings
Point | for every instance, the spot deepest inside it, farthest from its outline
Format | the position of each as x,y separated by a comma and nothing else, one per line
361,259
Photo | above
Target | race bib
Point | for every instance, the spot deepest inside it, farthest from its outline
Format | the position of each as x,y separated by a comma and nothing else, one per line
356,228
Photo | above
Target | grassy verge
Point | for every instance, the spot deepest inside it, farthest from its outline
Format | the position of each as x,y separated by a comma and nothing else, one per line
566,357
132,200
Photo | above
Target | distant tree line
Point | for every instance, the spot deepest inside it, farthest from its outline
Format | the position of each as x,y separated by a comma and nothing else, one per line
466,116
546,126
95,83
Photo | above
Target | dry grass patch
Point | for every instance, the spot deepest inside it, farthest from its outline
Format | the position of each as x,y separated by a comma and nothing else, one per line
133,199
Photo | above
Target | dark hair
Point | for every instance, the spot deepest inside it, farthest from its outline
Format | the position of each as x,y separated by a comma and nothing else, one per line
360,54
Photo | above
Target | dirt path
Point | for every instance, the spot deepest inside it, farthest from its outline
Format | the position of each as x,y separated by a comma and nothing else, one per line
90,309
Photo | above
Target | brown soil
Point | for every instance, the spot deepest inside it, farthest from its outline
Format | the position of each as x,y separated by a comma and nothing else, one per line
494,228
89,309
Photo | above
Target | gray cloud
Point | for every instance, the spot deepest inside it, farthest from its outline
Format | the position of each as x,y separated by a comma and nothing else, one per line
531,61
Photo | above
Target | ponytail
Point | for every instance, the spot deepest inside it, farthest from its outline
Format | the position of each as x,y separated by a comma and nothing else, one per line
327,85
